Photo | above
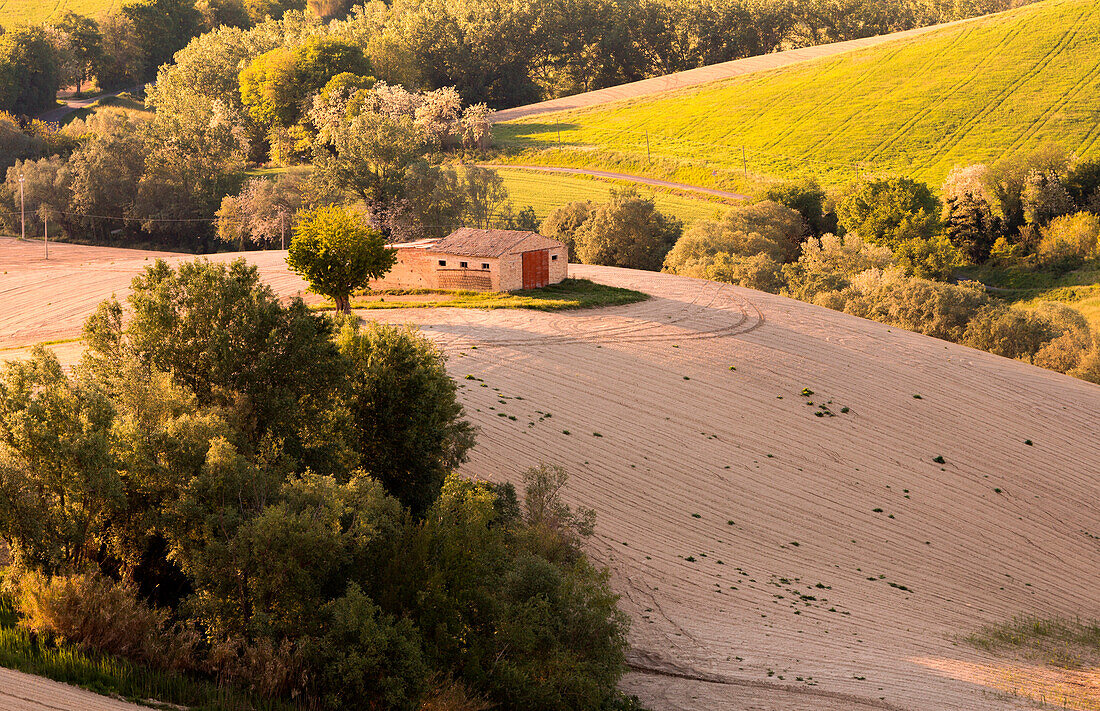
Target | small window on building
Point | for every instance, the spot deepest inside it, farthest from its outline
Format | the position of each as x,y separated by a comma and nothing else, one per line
553,257
442,262
463,264
484,265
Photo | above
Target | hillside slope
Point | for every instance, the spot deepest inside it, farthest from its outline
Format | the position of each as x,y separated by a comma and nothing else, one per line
965,93
770,558
14,12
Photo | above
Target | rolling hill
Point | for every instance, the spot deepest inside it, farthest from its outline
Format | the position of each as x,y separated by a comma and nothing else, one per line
969,92
770,558
14,12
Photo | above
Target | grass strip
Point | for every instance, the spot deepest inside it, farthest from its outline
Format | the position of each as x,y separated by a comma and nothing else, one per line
41,655
569,294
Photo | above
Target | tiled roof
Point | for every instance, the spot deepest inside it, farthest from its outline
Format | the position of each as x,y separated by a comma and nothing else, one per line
471,242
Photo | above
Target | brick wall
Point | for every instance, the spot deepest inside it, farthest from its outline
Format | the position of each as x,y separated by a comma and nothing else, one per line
510,273
415,269
465,279
559,268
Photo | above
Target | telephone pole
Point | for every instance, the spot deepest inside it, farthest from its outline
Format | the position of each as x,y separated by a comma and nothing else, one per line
744,160
648,156
46,234
22,211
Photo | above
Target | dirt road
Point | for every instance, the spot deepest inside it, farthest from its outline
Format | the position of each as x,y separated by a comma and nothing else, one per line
70,105
769,557
624,176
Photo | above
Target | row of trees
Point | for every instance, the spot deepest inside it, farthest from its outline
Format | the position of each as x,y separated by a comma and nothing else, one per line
122,176
239,488
502,54
506,54
881,247
1034,211
71,50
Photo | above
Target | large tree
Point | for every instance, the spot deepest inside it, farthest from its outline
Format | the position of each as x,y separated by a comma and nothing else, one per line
274,86
337,253
889,211
971,226
83,43
367,156
30,73
163,27
408,424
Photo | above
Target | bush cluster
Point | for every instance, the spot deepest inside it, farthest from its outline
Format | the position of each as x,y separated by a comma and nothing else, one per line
243,489
627,231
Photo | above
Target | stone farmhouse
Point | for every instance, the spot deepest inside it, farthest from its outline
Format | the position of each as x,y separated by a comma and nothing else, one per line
478,260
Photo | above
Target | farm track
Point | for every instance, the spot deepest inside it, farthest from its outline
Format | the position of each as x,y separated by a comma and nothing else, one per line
740,528
609,175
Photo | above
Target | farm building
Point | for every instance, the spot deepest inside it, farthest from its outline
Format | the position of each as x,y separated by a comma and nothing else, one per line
478,260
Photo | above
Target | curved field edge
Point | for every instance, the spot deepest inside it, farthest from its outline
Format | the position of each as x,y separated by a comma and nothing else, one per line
966,93
666,411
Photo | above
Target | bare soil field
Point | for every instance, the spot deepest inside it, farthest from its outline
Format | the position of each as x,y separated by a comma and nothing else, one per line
775,550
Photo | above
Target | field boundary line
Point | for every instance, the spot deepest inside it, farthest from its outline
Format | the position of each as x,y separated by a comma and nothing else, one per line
654,182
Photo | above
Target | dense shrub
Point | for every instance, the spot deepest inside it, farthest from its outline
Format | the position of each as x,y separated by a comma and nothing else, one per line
1070,239
98,613
889,211
928,307
182,500
756,272
828,263
932,258
738,241
627,231
809,199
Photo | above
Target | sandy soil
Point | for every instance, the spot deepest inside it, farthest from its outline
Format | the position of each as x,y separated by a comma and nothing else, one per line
770,558
23,692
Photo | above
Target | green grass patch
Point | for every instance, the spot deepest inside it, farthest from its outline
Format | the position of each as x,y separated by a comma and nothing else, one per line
40,655
1059,642
1079,288
917,106
569,294
125,100
547,191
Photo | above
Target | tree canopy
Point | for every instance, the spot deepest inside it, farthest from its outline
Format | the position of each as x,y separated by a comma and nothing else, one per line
272,508
337,254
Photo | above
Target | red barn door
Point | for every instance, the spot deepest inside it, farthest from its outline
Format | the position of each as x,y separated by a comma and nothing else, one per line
536,268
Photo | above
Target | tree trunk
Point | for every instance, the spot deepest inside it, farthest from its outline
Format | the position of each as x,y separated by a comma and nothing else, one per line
343,304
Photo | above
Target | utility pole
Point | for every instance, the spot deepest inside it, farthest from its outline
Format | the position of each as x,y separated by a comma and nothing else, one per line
559,137
282,230
22,211
648,156
744,160
46,226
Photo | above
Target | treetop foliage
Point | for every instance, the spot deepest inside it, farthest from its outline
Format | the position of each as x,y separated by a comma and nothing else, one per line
337,254
275,508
